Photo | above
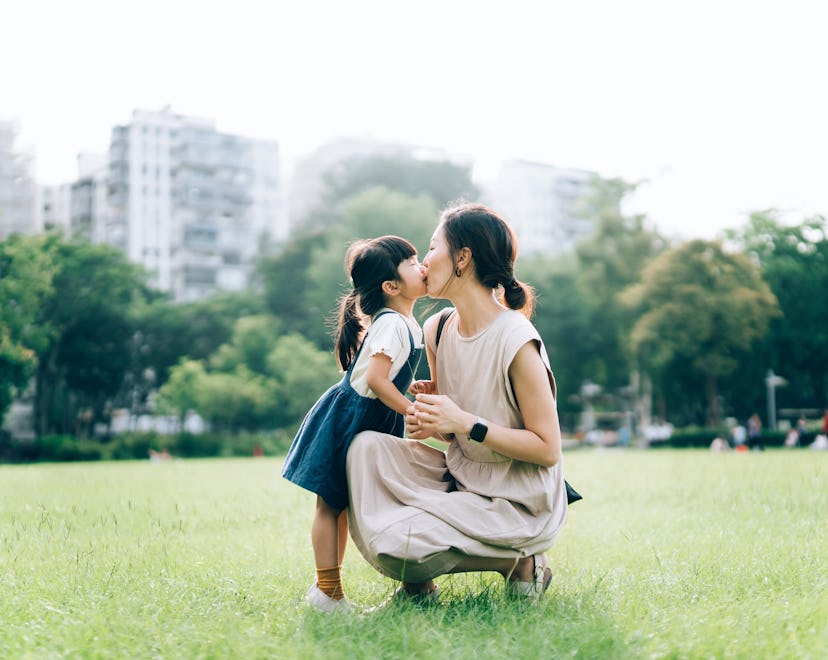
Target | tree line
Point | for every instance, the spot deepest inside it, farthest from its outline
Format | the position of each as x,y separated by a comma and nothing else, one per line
690,326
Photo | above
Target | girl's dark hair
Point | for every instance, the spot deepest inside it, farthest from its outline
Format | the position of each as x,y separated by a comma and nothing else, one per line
494,249
368,263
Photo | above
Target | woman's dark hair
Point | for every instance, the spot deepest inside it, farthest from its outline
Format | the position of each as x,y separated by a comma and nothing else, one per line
494,249
368,263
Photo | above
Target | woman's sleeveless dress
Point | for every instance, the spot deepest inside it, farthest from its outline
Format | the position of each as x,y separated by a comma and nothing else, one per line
316,458
416,511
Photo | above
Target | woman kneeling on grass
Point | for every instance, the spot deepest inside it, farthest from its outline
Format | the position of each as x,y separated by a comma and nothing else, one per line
495,500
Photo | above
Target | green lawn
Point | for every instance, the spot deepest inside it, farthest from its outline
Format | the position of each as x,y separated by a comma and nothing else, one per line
672,554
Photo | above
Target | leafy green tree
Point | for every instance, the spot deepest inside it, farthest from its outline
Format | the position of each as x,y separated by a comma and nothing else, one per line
794,262
26,272
179,394
304,282
697,304
563,321
82,368
441,181
301,373
609,260
286,284
259,379
253,339
238,401
169,331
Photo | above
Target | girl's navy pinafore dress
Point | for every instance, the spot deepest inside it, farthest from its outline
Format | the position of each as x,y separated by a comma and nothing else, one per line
316,459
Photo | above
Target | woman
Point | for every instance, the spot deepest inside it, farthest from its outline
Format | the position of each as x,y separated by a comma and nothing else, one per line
495,499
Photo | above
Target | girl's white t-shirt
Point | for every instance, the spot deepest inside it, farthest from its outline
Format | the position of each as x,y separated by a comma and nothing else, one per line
387,335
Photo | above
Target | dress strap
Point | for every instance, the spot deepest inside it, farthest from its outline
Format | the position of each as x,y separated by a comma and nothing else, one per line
362,343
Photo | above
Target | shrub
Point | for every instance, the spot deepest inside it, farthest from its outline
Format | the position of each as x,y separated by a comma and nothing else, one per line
135,445
700,437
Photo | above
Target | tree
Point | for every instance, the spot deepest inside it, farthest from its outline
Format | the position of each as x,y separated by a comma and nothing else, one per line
179,394
259,379
698,303
442,181
26,272
609,260
84,363
301,373
794,262
254,337
303,283
563,321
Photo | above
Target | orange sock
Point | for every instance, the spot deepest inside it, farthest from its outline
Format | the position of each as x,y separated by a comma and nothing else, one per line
329,581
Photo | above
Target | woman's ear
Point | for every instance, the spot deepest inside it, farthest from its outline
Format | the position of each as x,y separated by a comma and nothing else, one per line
464,256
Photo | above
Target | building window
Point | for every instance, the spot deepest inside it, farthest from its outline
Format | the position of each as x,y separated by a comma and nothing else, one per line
199,275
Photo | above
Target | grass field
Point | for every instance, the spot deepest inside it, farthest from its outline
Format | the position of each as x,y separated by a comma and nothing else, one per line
672,554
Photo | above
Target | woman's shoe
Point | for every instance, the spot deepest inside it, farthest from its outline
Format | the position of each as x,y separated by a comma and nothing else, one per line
533,590
322,602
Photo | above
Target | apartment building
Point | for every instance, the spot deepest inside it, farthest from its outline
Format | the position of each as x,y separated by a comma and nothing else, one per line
541,202
18,192
191,204
54,204
88,199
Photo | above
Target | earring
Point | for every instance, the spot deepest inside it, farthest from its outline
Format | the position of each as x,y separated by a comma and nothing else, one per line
457,271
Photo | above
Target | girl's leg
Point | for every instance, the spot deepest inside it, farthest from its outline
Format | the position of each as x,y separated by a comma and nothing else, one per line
342,531
325,540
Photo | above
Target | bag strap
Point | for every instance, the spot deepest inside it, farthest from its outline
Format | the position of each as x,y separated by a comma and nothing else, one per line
448,311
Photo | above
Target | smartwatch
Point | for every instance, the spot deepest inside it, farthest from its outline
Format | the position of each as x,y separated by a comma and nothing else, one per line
479,430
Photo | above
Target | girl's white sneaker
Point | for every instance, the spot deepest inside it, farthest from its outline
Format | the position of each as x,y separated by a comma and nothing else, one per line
319,600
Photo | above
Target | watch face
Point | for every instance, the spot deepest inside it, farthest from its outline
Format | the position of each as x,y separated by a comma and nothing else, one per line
478,432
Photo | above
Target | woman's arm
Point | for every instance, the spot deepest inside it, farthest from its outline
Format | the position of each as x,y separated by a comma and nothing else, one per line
539,442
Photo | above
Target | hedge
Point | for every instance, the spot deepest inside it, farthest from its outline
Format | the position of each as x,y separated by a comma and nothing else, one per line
130,446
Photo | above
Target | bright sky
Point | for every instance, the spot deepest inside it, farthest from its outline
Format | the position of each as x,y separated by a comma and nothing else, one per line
721,106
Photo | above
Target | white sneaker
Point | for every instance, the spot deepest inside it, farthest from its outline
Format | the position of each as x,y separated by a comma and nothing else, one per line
324,603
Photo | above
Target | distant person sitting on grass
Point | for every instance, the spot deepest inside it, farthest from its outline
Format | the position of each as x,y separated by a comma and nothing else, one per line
754,433
379,362
159,456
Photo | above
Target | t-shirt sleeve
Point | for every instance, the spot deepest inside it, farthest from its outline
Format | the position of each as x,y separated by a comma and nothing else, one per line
520,335
389,336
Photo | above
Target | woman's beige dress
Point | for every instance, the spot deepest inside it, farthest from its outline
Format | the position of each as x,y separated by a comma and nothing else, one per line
415,511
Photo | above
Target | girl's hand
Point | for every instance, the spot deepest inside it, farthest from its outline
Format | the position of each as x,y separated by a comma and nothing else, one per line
413,429
438,414
423,387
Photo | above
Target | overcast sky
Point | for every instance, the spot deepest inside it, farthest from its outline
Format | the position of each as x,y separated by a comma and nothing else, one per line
719,107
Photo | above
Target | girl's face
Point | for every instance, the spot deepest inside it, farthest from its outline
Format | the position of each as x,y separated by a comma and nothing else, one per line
438,264
412,280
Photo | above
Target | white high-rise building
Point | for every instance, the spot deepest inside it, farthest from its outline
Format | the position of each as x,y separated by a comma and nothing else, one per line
89,206
18,192
192,205
54,205
541,202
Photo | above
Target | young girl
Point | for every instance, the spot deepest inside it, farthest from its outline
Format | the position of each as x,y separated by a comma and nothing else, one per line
379,364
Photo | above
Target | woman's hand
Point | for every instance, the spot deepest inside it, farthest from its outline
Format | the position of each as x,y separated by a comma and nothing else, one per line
439,415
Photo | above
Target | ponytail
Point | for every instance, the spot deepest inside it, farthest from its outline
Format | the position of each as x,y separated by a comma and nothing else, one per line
349,330
520,296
